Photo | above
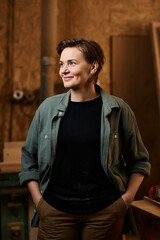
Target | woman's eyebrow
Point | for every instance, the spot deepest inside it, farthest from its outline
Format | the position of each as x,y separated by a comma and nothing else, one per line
69,60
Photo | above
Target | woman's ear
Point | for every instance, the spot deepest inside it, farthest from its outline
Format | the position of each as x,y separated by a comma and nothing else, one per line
94,67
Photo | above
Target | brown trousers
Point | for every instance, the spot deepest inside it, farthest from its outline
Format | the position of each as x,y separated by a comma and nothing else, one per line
106,224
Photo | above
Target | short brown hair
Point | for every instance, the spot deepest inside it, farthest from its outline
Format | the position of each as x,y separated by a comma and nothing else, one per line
90,49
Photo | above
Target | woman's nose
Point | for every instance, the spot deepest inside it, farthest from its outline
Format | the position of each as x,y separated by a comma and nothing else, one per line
65,69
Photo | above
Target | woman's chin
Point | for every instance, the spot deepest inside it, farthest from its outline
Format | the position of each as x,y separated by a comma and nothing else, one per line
68,85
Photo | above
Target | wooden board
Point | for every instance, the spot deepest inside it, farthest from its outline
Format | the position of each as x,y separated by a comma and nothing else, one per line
20,65
133,80
12,152
16,144
148,207
10,167
12,155
156,51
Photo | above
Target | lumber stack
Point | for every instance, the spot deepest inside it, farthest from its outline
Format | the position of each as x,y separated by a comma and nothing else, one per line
11,157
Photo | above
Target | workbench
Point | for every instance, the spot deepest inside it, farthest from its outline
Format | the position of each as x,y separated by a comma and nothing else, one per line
148,218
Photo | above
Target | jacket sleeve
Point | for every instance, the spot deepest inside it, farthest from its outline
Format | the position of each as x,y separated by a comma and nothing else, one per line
134,152
29,157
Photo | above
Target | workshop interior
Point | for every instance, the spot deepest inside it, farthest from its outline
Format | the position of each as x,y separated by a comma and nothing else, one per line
129,33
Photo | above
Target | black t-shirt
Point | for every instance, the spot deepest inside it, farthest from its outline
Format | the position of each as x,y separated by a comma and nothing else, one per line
78,182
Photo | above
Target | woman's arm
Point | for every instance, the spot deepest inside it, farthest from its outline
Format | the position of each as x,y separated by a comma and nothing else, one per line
134,183
33,187
29,157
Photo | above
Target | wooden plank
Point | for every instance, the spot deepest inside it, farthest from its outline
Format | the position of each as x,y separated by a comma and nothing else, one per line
148,207
12,151
16,144
156,51
133,80
10,167
12,155
151,200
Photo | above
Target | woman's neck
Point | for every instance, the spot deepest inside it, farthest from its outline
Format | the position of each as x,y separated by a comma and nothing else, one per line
82,95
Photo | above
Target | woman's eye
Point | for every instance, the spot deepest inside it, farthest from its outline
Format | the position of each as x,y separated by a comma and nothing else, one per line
72,63
61,64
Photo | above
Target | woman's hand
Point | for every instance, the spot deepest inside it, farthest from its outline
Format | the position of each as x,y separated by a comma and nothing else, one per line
35,192
135,181
128,199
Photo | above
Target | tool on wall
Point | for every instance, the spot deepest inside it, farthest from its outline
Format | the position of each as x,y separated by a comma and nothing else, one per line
24,97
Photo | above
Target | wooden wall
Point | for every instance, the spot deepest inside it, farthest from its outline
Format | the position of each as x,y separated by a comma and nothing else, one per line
20,56
4,81
100,19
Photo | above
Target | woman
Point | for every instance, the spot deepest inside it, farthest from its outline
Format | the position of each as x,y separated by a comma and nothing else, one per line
83,160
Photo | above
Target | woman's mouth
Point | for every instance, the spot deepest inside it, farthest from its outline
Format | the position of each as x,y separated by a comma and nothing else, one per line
67,78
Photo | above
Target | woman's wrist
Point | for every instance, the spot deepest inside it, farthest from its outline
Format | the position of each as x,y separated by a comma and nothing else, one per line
37,199
128,198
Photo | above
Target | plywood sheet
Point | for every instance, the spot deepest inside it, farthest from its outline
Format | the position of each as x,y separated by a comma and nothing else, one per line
133,79
148,207
12,152
5,86
20,64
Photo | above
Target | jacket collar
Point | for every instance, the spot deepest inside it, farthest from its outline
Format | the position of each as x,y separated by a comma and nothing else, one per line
109,102
63,103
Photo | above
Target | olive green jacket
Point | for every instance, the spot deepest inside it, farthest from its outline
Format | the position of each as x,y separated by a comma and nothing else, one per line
122,149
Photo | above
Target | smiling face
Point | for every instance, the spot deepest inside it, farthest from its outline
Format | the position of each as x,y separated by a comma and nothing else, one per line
75,71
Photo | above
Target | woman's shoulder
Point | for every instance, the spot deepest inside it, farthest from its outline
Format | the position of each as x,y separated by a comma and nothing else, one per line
112,100
121,103
53,100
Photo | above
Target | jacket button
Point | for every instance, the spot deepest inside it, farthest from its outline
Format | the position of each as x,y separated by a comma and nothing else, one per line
45,136
60,113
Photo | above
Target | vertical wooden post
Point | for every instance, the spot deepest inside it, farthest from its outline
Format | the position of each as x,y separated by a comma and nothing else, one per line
49,43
